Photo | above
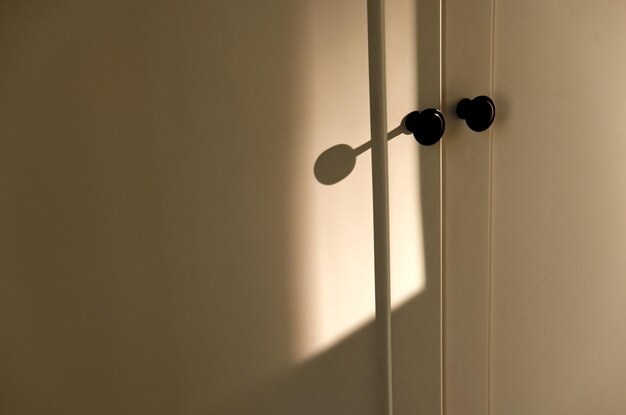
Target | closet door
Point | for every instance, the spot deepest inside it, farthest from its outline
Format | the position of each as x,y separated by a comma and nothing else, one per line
540,295
171,239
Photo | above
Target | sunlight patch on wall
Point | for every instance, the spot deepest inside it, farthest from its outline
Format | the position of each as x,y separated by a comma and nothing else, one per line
335,262
332,233
408,277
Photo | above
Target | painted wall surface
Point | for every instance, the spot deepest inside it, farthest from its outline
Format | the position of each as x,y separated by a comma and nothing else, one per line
167,245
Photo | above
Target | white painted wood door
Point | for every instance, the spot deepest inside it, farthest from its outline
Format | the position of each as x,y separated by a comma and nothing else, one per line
535,213
165,245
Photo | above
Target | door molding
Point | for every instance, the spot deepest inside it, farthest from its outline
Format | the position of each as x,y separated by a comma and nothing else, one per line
467,67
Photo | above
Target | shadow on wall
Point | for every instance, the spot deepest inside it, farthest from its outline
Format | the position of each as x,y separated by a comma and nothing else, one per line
145,247
337,162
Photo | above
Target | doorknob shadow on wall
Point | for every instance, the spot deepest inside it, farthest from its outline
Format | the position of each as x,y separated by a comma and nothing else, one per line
337,162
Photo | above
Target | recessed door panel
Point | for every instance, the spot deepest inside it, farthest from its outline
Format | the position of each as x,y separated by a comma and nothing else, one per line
554,265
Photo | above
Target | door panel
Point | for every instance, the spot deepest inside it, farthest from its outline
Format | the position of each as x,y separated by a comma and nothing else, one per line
556,204
466,154
166,247
413,82
559,203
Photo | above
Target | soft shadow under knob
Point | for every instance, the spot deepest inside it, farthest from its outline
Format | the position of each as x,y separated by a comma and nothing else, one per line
478,113
427,126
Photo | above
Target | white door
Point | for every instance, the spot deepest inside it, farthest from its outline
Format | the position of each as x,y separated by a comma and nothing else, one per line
535,213
165,244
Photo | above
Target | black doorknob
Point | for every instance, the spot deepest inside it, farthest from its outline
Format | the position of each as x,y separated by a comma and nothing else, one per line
427,126
478,113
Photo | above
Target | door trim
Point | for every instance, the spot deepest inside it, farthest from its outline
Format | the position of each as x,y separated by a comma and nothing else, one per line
467,70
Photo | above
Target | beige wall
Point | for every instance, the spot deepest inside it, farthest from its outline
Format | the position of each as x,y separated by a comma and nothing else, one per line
165,247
